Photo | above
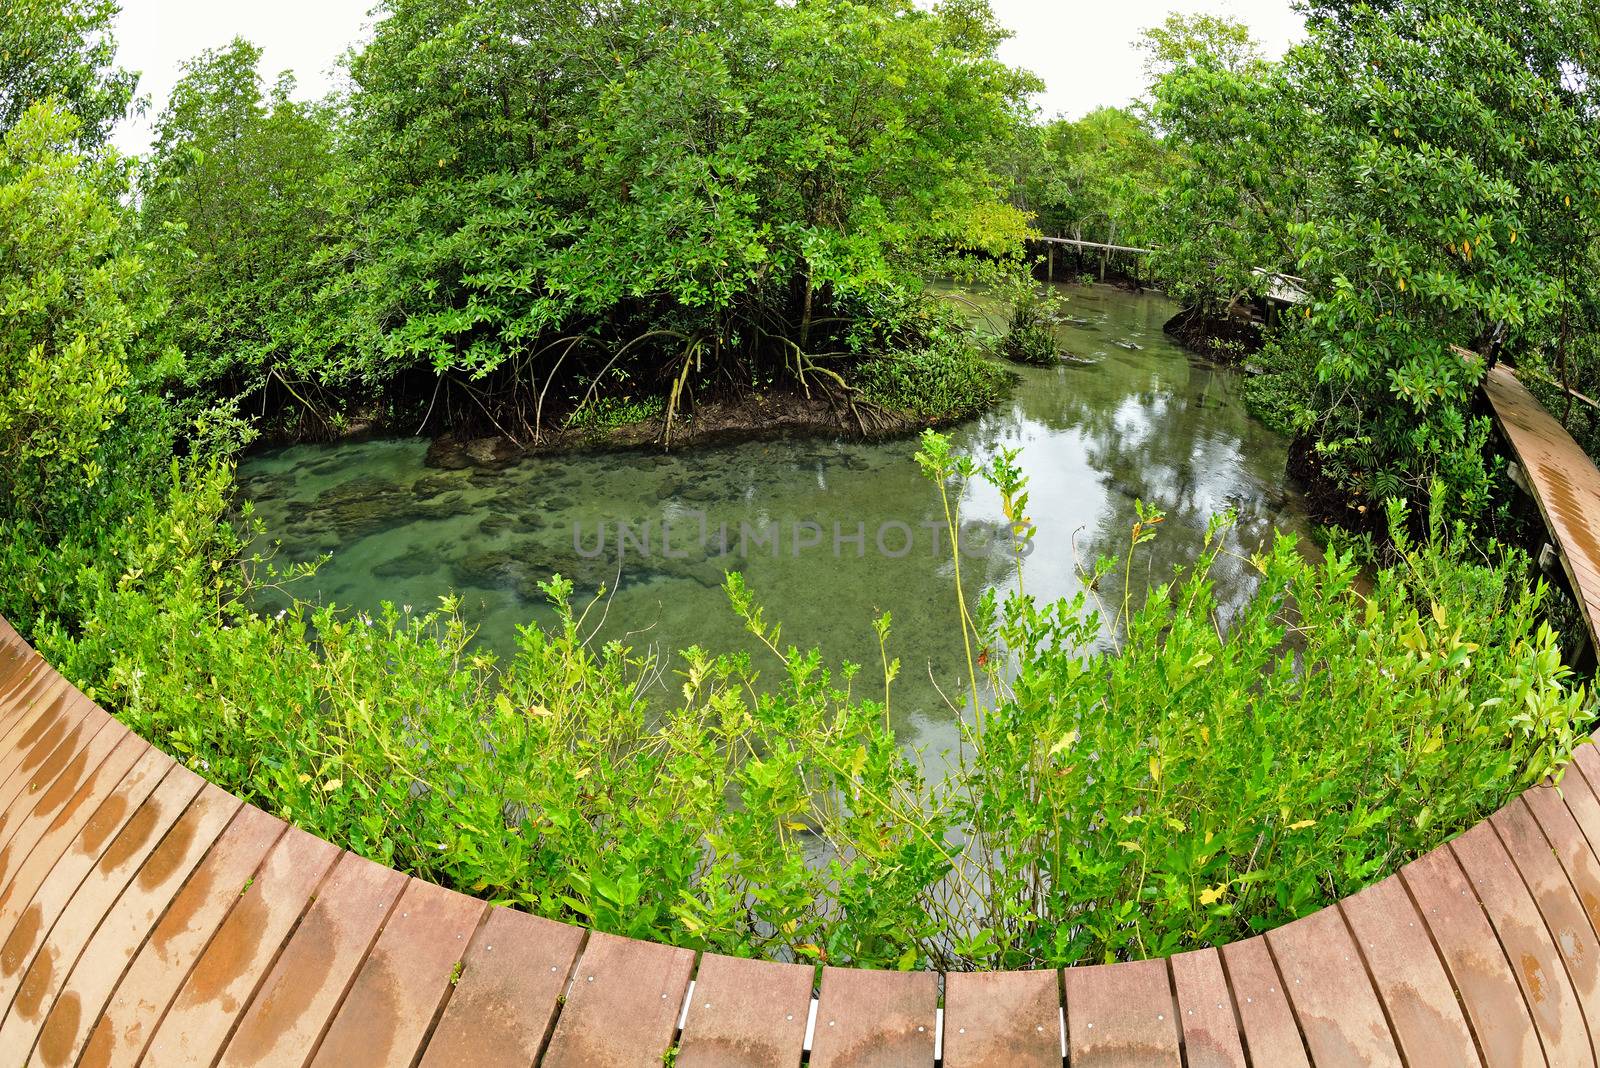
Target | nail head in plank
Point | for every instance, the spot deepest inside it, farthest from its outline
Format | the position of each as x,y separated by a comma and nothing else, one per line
1205,1011
1411,979
281,1027
405,979
1121,1016
623,1006
746,1012
505,1001
1002,1018
1271,1035
1537,963
1472,955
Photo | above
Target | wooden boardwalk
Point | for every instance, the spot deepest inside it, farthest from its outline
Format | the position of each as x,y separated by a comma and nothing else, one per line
1561,478
147,917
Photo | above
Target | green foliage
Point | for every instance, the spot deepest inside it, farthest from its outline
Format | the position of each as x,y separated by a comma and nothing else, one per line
1181,787
951,378
1188,788
80,309
730,190
241,180
1431,169
1178,786
1190,40
1099,178
608,413
1030,337
1234,128
62,51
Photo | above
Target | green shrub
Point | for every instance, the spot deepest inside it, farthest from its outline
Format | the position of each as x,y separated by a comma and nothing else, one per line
1029,338
1202,778
600,414
948,379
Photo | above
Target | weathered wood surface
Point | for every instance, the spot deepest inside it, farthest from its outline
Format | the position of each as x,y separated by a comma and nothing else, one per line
1563,480
149,918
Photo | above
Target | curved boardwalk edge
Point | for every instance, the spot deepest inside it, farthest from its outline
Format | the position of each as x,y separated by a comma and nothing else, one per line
1562,480
147,917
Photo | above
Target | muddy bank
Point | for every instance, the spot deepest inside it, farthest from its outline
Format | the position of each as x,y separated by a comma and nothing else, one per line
1230,336
724,421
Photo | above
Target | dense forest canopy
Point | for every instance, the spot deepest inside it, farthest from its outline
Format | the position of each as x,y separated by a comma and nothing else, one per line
518,198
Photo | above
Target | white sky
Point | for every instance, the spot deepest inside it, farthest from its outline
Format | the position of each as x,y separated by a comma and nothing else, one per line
1082,48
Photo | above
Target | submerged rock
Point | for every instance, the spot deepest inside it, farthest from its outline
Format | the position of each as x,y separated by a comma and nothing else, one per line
451,453
362,507
269,487
497,523
416,561
433,485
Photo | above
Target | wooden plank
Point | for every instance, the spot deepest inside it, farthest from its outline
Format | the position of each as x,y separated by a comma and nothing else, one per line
17,657
1121,1015
283,1024
39,772
623,1005
1205,1011
1002,1018
1565,920
51,875
71,793
1472,955
1090,244
1572,848
151,883
224,979
1565,481
113,868
875,1018
1585,767
1270,1033
746,1012
197,910
1422,1008
57,821
1338,1009
505,1002
31,695
20,675
1537,963
397,994
52,723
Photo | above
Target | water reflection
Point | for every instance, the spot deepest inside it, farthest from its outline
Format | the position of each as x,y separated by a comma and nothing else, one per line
1143,421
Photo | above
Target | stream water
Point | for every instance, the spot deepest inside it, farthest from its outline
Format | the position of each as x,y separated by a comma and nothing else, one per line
828,534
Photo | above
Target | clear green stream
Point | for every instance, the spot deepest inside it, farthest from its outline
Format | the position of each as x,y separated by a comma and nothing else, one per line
829,534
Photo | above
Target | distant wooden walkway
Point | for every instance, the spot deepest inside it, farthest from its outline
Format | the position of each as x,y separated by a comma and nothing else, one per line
1561,478
147,917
